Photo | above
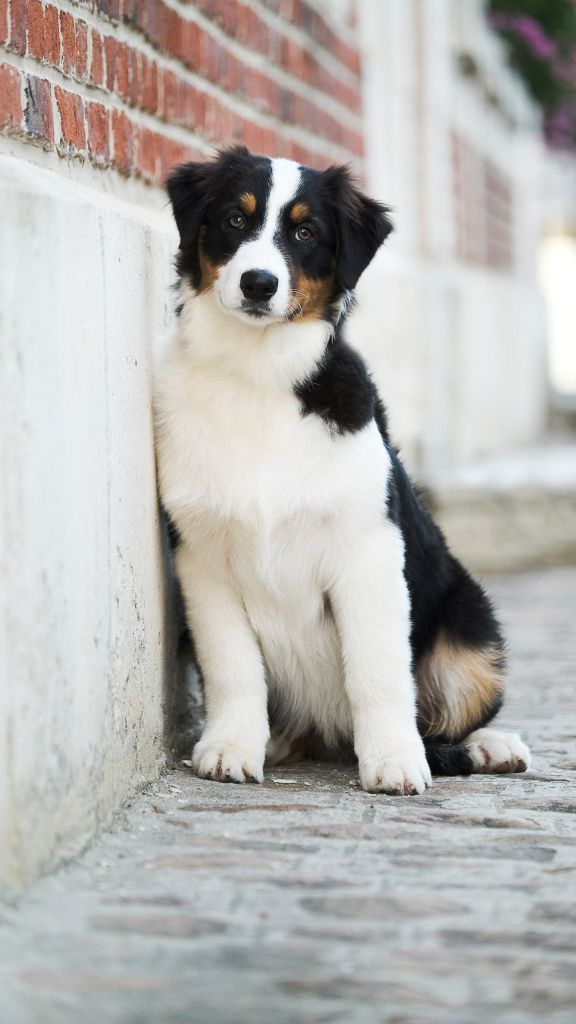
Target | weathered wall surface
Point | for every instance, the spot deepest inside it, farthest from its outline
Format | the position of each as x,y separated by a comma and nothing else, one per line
86,659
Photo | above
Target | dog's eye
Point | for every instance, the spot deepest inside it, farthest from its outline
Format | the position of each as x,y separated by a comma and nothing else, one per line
237,221
303,234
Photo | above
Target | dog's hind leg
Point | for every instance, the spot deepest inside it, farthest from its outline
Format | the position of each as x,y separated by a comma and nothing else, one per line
460,685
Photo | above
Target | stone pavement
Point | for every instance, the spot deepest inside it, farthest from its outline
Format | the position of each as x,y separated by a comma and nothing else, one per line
307,901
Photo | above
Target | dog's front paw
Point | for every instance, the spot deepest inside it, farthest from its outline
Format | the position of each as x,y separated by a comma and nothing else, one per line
400,774
227,762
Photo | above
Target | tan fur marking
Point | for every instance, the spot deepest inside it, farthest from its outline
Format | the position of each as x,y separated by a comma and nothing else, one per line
310,296
247,203
455,687
299,212
208,270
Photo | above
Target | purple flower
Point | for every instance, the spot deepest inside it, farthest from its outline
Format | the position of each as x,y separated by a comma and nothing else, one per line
529,30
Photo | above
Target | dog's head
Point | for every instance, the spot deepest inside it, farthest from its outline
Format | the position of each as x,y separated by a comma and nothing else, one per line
273,241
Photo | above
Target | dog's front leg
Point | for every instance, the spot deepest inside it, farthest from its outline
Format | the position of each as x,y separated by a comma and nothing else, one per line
371,605
233,744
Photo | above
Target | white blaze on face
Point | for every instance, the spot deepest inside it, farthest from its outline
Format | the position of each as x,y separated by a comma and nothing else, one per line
262,253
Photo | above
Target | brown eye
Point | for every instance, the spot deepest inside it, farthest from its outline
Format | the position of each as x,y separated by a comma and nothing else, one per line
303,234
236,221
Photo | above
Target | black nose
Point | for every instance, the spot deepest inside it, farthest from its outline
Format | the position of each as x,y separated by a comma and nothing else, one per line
258,285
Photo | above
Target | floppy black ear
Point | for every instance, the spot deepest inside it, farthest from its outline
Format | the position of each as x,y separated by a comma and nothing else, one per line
363,224
191,188
188,189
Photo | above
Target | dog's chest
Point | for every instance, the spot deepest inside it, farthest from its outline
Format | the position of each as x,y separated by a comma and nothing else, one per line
241,454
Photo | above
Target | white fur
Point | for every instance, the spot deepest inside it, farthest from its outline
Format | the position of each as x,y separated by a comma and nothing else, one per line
276,513
497,752
262,253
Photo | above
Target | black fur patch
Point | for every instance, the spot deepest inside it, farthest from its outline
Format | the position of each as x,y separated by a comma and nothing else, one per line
448,758
443,595
340,390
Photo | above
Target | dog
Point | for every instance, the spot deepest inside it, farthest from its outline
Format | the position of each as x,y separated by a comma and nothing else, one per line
327,613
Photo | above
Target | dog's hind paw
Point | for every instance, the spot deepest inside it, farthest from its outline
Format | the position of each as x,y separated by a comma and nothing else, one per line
498,753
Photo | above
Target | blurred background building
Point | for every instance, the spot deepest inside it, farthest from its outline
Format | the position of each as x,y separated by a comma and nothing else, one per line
460,115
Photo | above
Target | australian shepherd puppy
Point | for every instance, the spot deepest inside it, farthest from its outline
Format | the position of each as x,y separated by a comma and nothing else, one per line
327,613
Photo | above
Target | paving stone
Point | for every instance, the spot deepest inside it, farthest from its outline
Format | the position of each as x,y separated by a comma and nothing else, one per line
307,901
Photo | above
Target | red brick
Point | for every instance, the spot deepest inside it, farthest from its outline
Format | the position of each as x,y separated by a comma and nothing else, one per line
98,125
315,25
130,10
72,118
38,108
35,28
3,21
117,70
149,86
68,38
71,110
123,140
81,33
256,33
97,65
51,36
189,44
10,97
172,153
183,103
169,107
135,61
147,154
110,8
17,37
121,77
110,47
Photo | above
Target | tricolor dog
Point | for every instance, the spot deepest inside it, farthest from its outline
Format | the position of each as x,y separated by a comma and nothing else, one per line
327,613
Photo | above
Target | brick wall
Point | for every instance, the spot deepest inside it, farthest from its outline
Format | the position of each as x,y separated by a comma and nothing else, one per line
139,85
483,207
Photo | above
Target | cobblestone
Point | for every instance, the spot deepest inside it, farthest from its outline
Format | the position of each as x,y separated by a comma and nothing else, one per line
306,900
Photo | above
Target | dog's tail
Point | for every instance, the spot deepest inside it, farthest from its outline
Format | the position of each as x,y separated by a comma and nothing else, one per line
448,758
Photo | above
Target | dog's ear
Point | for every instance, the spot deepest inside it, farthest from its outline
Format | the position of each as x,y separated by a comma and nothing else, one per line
363,224
188,189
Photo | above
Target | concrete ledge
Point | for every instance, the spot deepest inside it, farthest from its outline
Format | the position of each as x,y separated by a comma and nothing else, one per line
513,511
87,647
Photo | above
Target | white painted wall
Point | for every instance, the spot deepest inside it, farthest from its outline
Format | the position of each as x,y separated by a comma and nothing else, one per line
86,659
458,350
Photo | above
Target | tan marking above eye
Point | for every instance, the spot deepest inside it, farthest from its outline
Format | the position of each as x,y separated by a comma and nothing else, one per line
247,203
299,212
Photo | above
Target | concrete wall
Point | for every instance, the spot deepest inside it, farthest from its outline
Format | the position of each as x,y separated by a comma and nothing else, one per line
86,659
